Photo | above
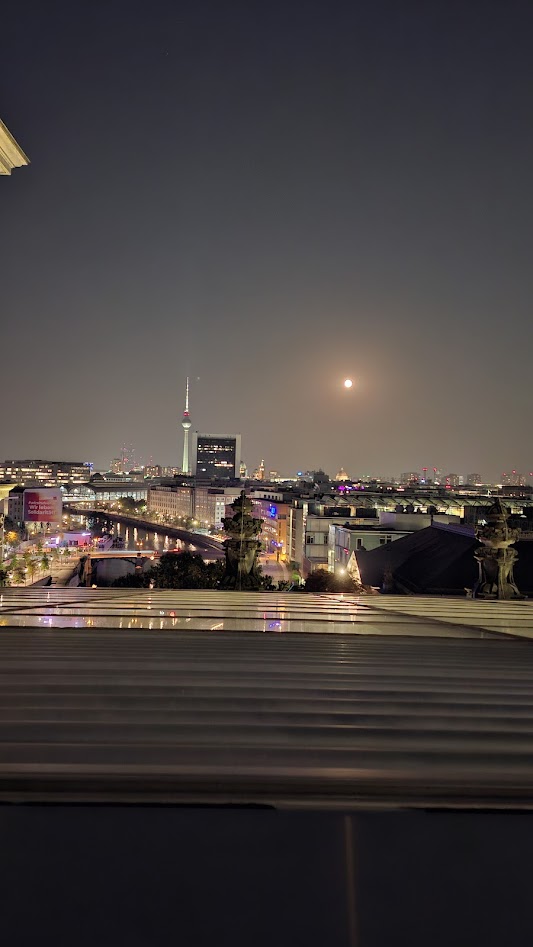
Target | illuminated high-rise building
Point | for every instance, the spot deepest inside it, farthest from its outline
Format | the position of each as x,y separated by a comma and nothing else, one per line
514,479
216,455
186,425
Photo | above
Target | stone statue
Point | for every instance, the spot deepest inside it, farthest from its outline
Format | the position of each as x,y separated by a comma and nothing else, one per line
495,557
242,547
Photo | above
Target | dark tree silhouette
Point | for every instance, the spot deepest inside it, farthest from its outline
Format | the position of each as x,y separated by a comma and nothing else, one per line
323,581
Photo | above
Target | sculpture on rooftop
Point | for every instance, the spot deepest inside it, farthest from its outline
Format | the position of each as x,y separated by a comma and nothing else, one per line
495,557
242,547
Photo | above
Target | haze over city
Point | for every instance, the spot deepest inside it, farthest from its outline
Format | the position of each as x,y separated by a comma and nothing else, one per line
270,200
266,482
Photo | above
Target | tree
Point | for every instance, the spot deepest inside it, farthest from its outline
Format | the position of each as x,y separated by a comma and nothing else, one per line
127,504
19,574
133,581
27,559
130,506
11,533
45,562
32,567
323,581
266,582
185,571
10,537
294,569
242,546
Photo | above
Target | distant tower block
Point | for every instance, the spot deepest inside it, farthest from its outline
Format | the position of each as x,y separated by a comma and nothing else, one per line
186,425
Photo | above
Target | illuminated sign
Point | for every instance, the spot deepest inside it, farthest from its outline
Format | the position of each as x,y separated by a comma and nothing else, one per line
42,506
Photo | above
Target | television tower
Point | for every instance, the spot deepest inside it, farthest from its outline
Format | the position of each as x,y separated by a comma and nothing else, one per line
186,424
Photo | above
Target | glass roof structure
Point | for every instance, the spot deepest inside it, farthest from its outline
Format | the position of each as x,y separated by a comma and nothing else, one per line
280,700
222,611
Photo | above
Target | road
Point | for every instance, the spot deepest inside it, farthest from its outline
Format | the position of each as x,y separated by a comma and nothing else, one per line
278,571
60,572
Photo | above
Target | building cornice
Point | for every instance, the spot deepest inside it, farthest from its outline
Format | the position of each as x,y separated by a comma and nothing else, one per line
11,154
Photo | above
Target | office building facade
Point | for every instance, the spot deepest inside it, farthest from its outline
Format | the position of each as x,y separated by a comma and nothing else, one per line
216,455
48,473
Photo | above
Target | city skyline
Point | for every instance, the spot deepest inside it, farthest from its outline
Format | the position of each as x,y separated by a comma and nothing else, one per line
129,457
282,202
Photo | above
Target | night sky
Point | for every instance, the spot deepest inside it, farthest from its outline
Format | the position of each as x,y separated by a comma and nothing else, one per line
270,196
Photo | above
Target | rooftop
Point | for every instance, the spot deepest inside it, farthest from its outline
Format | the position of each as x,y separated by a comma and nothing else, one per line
276,699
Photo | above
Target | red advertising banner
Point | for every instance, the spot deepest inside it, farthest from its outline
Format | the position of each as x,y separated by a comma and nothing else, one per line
42,506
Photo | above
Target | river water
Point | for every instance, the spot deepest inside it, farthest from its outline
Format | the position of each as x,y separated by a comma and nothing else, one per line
144,539
147,539
137,538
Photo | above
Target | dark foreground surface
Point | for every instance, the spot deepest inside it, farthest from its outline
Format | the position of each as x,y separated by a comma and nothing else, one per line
144,877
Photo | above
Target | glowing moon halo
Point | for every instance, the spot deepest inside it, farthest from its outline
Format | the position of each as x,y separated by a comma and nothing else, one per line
348,382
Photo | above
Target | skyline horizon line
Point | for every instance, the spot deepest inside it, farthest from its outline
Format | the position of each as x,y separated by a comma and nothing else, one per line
370,474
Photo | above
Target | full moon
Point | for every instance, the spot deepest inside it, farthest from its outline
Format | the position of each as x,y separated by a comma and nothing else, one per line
348,383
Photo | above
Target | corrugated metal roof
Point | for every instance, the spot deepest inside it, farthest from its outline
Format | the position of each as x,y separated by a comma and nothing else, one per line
386,709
